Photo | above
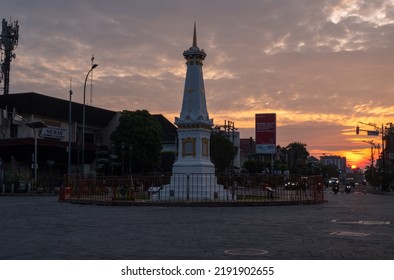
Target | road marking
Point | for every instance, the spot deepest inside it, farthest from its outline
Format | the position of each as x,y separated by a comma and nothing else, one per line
246,252
361,222
349,233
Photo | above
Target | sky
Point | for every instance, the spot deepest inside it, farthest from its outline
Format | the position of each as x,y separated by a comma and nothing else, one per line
322,66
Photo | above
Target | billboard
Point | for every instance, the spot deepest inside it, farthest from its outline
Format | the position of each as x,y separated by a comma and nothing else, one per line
265,133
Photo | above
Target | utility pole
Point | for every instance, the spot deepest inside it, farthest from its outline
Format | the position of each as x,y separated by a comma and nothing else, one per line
377,130
373,146
69,136
229,126
387,136
91,82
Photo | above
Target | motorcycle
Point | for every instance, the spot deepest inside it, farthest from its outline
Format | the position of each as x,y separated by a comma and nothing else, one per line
335,188
348,188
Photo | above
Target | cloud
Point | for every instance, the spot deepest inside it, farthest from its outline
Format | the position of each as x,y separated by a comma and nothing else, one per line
321,61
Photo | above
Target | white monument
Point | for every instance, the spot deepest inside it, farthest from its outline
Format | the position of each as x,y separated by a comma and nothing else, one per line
193,173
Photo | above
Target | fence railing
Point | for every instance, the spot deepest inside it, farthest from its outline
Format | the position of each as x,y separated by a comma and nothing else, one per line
194,188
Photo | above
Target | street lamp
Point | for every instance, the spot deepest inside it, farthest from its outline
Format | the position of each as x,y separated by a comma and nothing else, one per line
69,137
123,146
130,150
33,126
83,118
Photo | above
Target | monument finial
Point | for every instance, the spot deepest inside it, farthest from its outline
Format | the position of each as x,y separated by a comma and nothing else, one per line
194,36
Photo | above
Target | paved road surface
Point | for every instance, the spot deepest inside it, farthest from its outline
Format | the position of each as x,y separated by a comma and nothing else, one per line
348,226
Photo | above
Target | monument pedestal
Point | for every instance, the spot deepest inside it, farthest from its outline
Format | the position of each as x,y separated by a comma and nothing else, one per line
192,187
193,182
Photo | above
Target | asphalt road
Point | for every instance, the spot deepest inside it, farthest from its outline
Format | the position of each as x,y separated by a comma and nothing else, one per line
348,226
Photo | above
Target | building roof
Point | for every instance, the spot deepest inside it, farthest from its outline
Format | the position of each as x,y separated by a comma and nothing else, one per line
56,108
168,128
312,160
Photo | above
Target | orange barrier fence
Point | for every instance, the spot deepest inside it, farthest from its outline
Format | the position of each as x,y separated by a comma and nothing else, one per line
194,188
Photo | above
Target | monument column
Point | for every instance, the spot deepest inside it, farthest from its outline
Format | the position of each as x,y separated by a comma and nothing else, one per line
193,173
194,124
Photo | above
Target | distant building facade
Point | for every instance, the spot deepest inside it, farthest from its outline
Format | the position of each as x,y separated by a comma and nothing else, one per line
339,162
247,150
20,112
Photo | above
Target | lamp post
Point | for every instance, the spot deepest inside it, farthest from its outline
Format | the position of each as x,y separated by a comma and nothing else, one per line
83,118
33,126
35,154
69,137
123,146
130,150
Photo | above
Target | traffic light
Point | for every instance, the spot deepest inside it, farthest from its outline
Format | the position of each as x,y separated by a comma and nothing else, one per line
357,130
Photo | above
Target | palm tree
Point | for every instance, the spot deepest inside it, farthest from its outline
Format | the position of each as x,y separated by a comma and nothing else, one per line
297,155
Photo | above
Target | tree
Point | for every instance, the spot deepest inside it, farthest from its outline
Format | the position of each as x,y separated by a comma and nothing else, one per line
142,134
281,162
222,151
297,155
255,166
378,178
329,171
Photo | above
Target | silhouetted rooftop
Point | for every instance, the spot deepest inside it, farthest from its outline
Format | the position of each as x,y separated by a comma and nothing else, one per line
56,108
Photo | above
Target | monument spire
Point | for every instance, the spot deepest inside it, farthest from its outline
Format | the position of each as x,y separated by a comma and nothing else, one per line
194,105
195,36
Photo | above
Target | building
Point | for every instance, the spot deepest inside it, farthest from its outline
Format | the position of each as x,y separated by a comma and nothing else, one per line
337,161
313,161
247,150
32,122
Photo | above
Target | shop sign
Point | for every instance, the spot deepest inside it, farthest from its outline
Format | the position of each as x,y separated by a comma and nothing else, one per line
54,132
